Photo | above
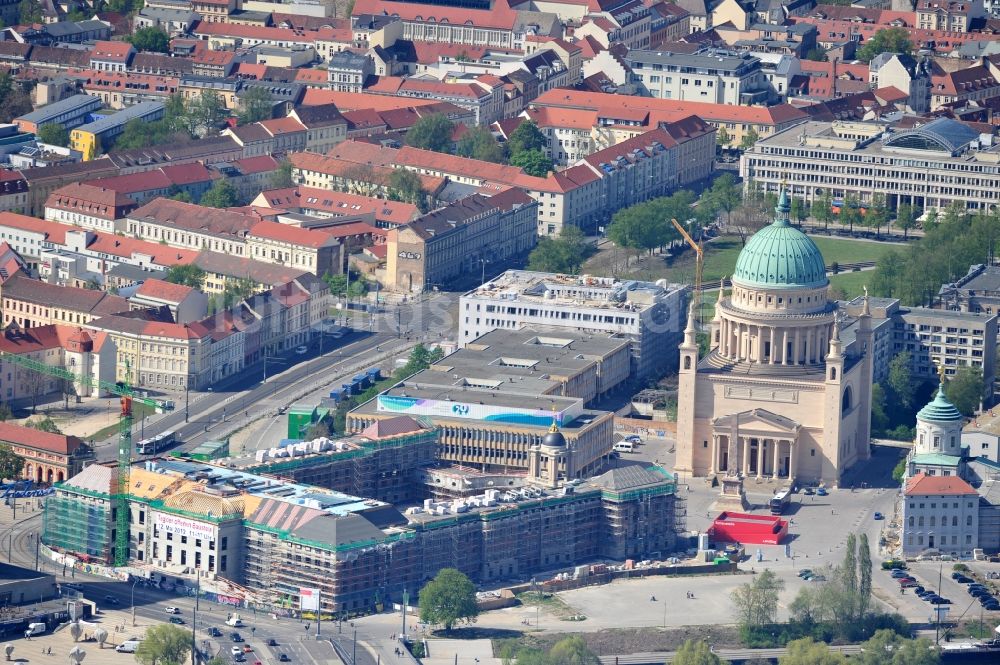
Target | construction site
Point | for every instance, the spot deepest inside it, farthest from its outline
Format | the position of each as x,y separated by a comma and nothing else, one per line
359,519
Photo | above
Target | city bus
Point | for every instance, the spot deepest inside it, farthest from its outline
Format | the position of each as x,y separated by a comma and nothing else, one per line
779,502
155,444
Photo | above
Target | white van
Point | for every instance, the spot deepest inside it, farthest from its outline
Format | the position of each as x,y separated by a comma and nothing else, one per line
624,447
35,629
128,646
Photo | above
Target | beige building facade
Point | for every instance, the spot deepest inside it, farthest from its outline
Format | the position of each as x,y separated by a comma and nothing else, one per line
778,395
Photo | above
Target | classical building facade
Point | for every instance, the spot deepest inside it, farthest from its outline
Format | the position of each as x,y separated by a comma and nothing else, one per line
778,395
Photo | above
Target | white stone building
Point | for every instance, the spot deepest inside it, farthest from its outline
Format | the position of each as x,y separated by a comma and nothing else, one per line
940,512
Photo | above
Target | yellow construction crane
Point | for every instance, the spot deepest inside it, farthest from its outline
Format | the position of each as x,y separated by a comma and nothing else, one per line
699,265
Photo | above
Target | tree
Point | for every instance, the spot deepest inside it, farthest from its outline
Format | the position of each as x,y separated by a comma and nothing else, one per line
901,379
45,424
406,186
798,210
723,138
319,429
100,636
431,132
207,112
14,101
183,197
880,417
807,652
186,275
695,653
850,213
527,137
479,143
865,575
30,11
724,195
816,54
150,39
221,195
887,40
886,647
965,389
448,599
850,572
238,290
878,214
906,218
534,162
564,254
54,134
749,139
757,601
282,177
822,210
572,651
256,104
164,644
5,412
11,465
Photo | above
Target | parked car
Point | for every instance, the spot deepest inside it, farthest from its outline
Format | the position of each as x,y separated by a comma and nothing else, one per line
821,491
940,601
804,572
808,490
284,658
906,580
633,438
817,578
177,620
879,516
919,590
301,350
897,574
908,584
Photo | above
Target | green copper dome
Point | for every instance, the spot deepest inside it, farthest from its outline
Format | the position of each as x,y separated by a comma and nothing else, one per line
779,255
939,409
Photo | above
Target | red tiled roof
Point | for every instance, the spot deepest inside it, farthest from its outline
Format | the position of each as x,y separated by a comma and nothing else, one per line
922,484
254,32
127,248
53,231
340,203
90,199
158,289
194,217
259,164
291,234
499,15
281,126
352,101
30,437
111,51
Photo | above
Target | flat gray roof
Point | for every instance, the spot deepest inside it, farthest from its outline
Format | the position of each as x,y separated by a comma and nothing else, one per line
49,111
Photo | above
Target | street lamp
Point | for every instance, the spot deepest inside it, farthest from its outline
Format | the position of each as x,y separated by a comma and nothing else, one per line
133,601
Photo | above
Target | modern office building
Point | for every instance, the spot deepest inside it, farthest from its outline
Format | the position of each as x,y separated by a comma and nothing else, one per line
932,337
715,78
649,314
928,166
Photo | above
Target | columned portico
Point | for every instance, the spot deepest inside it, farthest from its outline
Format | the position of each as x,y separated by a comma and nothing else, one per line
764,444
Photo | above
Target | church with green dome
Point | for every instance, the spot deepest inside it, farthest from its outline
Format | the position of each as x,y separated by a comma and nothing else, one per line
779,395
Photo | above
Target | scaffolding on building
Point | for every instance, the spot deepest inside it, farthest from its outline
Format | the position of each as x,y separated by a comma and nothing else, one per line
72,524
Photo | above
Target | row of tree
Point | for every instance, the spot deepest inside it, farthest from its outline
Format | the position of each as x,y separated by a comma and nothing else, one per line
525,147
951,243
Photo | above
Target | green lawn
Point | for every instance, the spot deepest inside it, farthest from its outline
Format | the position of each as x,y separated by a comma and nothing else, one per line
721,255
851,283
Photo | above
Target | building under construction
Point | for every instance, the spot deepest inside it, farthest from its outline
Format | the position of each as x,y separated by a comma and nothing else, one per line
247,525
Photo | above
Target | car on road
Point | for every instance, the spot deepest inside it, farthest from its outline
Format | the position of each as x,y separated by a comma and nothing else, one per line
214,632
236,651
821,491
878,516
172,610
284,658
808,490
302,350
247,648
235,637
177,620
272,642
111,599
